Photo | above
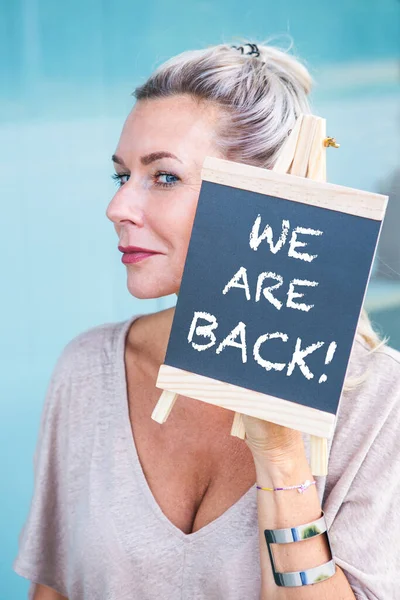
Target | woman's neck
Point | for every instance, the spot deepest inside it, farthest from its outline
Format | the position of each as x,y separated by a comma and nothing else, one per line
148,335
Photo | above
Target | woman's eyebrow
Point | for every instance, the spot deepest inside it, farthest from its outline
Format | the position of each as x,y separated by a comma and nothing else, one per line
116,159
148,158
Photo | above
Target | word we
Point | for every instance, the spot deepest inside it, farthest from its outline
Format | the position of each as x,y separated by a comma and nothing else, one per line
256,238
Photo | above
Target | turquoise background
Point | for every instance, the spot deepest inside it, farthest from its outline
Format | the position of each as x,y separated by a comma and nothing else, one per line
66,74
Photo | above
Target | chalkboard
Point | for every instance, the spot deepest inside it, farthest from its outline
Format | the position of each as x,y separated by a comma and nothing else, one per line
272,289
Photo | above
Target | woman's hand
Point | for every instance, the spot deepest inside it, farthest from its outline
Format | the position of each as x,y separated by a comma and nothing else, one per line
271,443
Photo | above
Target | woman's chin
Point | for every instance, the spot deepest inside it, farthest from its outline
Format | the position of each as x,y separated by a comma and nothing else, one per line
153,284
144,294
148,292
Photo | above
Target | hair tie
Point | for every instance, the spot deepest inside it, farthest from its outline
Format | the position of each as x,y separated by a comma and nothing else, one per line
252,51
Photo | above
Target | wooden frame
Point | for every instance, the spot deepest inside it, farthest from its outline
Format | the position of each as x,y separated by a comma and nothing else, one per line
303,157
289,414
298,189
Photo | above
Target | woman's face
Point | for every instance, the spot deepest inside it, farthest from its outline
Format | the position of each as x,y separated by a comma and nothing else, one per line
158,164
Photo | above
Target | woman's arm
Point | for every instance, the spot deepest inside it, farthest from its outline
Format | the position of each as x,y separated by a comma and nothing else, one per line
280,461
42,592
284,509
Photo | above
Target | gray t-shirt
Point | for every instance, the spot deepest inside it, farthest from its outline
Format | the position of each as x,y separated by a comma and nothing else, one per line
95,531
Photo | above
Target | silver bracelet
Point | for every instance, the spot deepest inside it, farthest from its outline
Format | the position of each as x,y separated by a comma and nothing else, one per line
298,534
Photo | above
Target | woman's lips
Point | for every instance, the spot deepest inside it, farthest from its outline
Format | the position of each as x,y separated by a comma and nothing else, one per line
134,257
134,254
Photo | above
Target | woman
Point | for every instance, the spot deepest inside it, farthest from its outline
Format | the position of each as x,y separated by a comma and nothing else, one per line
125,508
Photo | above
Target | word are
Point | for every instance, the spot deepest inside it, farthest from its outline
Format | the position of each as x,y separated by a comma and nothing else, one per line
237,339
256,238
240,280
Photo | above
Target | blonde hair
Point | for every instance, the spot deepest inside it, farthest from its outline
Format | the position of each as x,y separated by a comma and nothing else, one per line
261,94
261,97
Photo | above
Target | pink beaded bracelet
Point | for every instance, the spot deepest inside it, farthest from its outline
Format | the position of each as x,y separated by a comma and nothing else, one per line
300,488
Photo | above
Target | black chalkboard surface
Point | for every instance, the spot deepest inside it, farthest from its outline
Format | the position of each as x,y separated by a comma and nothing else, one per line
273,286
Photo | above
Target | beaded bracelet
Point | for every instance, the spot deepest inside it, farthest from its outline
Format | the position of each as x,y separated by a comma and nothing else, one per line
300,488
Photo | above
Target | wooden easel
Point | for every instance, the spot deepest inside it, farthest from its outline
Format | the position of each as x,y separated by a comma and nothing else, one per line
303,155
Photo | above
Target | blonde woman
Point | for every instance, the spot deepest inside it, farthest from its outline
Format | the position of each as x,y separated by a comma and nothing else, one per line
127,509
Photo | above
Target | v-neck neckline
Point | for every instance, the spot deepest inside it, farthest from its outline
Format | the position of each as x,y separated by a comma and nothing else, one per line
121,383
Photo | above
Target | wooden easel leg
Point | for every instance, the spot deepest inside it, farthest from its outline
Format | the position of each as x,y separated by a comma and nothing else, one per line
316,169
238,429
164,406
285,159
318,455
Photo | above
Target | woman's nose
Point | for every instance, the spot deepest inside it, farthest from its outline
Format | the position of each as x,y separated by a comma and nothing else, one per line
126,205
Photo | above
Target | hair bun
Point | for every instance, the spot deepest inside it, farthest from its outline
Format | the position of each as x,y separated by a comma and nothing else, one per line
287,66
280,62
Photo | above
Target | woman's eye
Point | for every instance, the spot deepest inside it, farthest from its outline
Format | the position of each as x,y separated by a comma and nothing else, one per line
165,179
161,179
119,178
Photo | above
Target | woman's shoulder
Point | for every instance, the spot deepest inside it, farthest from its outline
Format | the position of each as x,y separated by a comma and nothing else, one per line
374,367
79,379
369,409
91,350
372,386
